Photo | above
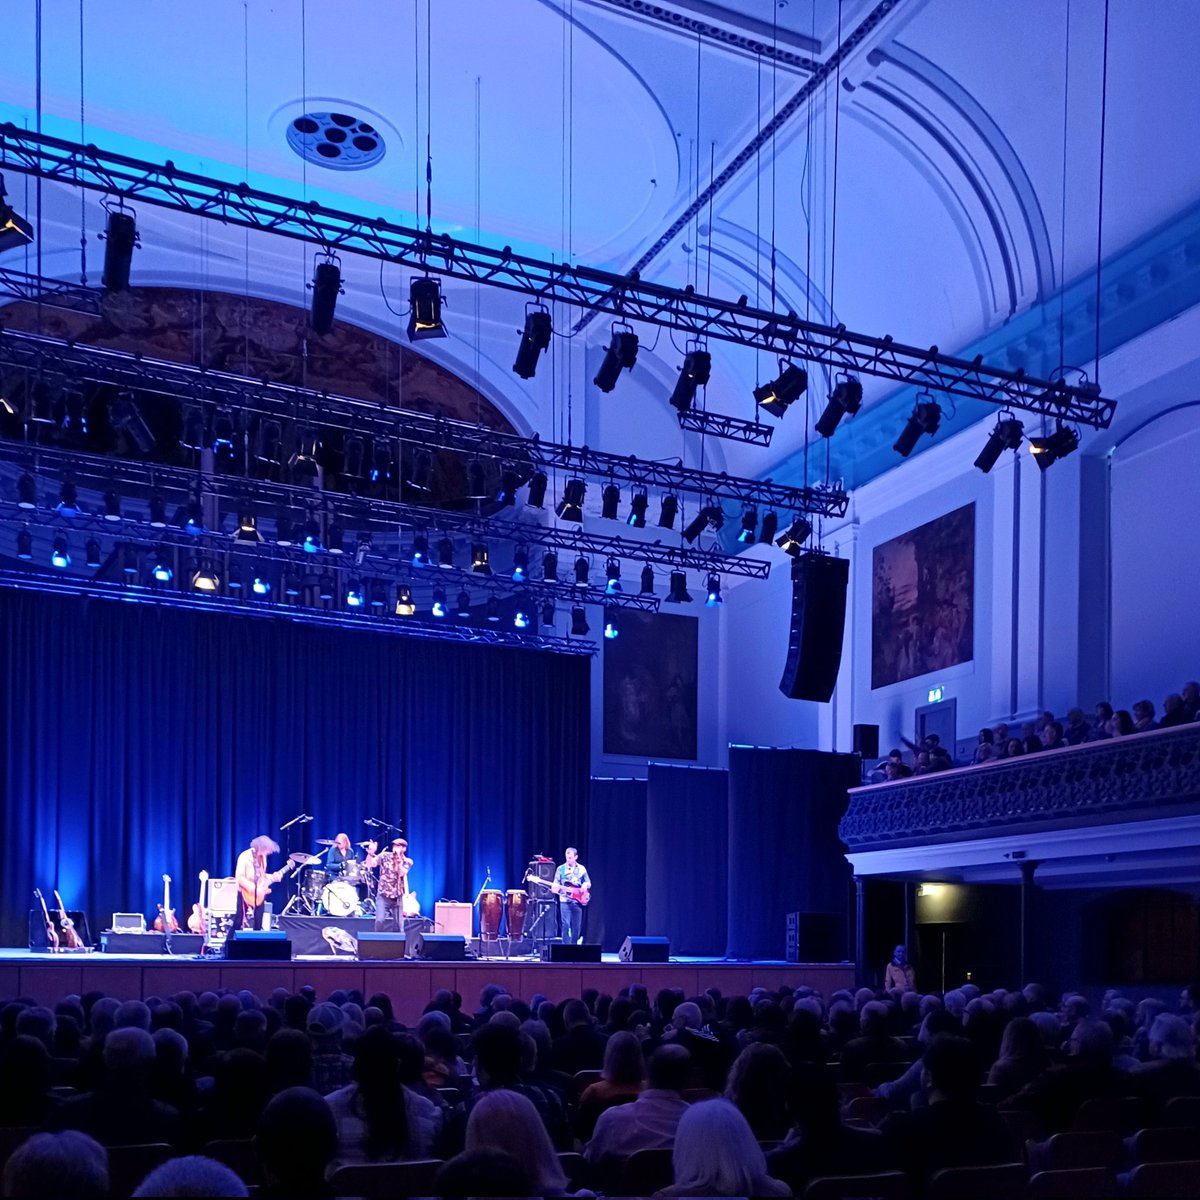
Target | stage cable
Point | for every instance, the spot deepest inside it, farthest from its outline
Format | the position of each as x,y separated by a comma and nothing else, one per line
1100,189
1062,226
83,142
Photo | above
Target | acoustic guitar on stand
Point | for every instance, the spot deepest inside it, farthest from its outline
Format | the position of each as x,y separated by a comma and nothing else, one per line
197,922
52,943
70,933
166,921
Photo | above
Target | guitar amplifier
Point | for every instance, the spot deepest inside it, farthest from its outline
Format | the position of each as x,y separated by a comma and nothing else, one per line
453,916
222,896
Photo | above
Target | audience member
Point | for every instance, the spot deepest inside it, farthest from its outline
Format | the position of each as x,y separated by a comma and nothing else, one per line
194,1175
1077,730
1022,1059
874,1044
899,975
484,1173
624,1078
1030,738
1173,712
1172,1069
331,1065
985,751
1104,714
1120,724
1143,717
1191,700
296,1141
1052,736
716,1154
757,1086
1016,748
48,1166
505,1120
581,1047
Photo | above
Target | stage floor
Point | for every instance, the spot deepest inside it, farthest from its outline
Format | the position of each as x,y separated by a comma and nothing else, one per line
46,978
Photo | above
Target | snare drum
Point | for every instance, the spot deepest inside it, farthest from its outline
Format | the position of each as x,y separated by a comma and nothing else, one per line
313,884
514,912
340,899
491,905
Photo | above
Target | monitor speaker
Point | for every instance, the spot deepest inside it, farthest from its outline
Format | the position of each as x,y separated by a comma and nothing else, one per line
438,947
564,952
271,945
379,946
819,585
645,949
866,741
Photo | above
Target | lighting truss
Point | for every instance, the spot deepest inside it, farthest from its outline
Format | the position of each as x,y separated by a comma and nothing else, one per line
733,429
54,293
624,296
52,358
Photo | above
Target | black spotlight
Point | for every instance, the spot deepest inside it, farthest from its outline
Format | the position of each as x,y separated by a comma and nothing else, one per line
425,309
326,288
696,526
1008,435
792,540
68,500
637,510
26,491
112,506
749,525
158,511
60,552
1048,450
582,571
404,601
620,356
926,417
247,530
438,607
570,507
780,393
304,458
770,523
612,626
712,591
520,571
477,488
462,607
506,494
579,625
445,549
14,229
548,613
420,551
668,512
612,576
24,544
534,339
550,567
844,400
126,418
697,366
120,237
92,552
647,588
285,530
537,489
678,593
493,610
479,559
326,587
610,500
420,475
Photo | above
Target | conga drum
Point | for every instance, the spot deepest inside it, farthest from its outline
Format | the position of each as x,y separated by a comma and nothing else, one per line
514,911
491,905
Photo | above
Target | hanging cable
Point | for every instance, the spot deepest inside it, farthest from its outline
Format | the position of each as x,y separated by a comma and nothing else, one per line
83,141
428,118
1100,195
1062,232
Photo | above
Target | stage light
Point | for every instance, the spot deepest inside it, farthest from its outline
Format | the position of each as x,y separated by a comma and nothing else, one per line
326,587
506,494
778,395
420,551
537,489
192,427
1048,450
770,523
647,588
261,586
522,617
477,488
285,530
925,418
570,507
125,417
129,561
112,506
548,613
303,461
493,610
326,288
1008,435
234,582
247,530
291,587
161,571
354,458
269,447
383,462
425,309
620,356
611,628
335,540
26,491
445,549
582,570
355,598
612,577
637,510
792,541
312,536
712,588
749,525
534,339
463,606
7,407
14,229
479,559
678,593
193,518
60,553
668,511
610,500
579,625
404,601
92,553
158,511
377,596
420,475
520,571
205,579
550,566
697,366
225,437
438,608
845,399
710,514
24,544
120,238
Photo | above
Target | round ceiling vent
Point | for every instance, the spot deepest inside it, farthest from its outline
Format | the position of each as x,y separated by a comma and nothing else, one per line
336,140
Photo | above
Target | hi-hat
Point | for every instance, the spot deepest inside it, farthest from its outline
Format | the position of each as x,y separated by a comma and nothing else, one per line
325,842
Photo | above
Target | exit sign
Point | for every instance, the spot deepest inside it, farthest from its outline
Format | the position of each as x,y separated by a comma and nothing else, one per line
935,694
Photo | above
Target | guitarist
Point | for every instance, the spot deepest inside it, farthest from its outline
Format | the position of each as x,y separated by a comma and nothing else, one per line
254,882
570,879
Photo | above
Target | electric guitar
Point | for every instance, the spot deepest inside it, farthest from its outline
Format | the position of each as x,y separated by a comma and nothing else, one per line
197,922
410,906
51,933
70,933
166,921
580,895
253,896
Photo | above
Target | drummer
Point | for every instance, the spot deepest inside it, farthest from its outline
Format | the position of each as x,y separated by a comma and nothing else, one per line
341,855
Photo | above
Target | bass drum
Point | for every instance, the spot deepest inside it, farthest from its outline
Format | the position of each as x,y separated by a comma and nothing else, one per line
340,899
514,911
313,884
491,905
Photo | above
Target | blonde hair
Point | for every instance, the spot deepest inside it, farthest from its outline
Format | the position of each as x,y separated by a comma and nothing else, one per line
715,1152
504,1120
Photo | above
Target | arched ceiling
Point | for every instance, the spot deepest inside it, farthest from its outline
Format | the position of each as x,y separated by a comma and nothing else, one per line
963,137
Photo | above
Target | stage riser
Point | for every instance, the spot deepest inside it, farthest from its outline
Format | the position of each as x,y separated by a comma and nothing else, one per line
409,984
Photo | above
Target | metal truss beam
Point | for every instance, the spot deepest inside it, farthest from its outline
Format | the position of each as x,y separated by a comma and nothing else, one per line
54,358
54,293
733,429
625,297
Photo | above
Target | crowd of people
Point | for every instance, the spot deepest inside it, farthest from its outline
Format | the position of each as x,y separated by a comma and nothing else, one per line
1046,733
739,1095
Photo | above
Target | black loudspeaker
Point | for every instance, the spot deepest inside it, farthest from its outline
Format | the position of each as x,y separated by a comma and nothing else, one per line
269,945
377,946
819,585
645,949
814,937
562,952
437,947
866,741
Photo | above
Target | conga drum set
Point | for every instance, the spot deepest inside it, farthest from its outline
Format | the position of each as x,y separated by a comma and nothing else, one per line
505,919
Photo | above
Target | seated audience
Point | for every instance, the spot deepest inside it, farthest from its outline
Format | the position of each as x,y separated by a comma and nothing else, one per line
624,1077
875,1043
1077,730
1120,724
985,751
1171,1070
715,1154
484,1173
296,1141
757,1087
192,1176
1016,748
499,1057
505,1120
1022,1059
581,1048
1052,736
331,1065
1173,712
1143,717
25,1097
1030,738
53,1165
1104,714
1190,694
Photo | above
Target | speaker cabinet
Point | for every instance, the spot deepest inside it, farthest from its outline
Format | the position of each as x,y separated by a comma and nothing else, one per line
267,945
645,949
819,585
814,937
438,947
377,947
453,916
562,952
866,741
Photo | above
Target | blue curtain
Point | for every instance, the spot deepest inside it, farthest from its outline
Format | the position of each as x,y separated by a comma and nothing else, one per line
784,851
686,865
141,741
615,857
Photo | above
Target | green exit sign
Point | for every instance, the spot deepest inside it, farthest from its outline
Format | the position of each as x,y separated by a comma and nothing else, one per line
935,694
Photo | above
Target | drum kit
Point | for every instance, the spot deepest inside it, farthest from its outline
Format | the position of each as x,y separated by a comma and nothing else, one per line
345,889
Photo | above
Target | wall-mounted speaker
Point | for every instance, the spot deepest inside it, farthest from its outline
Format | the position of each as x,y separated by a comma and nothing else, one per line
819,584
645,949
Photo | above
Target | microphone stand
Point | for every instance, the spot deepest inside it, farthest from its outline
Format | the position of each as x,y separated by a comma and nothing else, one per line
293,885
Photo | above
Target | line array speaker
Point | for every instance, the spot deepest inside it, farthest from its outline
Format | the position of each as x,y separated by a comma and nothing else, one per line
819,585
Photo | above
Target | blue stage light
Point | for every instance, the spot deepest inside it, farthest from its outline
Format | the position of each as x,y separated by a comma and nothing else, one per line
439,602
60,555
261,586
354,595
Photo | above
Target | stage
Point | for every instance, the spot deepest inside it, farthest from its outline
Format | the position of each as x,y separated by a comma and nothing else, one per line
46,978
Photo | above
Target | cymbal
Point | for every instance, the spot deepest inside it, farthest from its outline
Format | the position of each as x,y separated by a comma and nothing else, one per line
304,860
364,845
325,841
